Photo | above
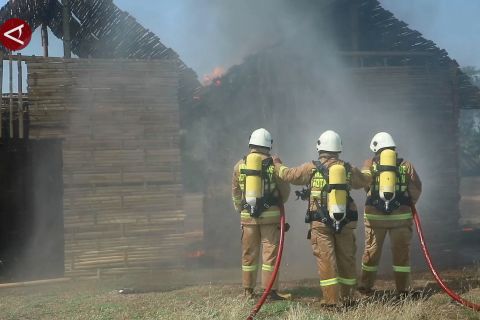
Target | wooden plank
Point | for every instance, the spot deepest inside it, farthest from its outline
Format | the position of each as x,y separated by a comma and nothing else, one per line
1,95
32,283
10,109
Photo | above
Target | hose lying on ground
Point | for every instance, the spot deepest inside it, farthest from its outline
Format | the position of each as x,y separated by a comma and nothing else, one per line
260,302
423,245
439,280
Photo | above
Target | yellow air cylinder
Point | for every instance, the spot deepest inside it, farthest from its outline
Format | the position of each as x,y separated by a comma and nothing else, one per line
388,179
337,197
253,183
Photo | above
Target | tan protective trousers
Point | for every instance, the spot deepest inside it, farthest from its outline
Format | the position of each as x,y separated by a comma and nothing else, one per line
255,237
335,255
400,238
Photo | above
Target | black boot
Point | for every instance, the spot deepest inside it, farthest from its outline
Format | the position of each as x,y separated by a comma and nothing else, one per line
275,296
248,293
366,291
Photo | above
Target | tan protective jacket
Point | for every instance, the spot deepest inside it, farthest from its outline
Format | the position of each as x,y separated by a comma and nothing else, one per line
272,214
302,175
401,216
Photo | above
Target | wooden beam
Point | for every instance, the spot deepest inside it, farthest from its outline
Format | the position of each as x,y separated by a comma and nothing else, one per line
32,283
45,39
387,53
67,40
20,97
354,29
10,82
1,94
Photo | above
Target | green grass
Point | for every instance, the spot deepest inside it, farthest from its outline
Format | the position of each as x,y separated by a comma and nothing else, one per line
163,298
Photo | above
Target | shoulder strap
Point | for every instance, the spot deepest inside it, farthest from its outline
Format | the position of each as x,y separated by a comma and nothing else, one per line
267,162
241,167
321,168
324,170
348,167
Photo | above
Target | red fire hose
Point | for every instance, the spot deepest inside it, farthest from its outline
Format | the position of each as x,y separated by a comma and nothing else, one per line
426,253
440,282
264,296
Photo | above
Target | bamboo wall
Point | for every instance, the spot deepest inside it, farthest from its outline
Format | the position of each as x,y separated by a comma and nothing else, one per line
470,202
194,232
119,122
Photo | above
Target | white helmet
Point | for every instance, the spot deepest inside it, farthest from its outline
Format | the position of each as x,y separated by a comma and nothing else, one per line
329,141
262,138
382,140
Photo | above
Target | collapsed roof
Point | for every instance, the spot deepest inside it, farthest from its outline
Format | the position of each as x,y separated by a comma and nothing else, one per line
366,29
381,31
99,29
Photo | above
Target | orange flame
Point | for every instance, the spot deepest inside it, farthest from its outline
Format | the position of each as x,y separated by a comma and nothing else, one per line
214,77
196,254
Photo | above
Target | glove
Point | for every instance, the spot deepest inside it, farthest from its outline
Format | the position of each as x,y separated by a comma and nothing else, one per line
276,160
287,227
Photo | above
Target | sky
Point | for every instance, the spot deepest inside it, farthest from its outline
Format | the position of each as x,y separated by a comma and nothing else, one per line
197,29
180,24
452,25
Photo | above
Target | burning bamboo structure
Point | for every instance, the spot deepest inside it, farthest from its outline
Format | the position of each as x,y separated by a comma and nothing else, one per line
381,76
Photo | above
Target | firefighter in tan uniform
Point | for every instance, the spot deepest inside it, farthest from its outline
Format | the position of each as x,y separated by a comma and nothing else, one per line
260,214
388,211
332,231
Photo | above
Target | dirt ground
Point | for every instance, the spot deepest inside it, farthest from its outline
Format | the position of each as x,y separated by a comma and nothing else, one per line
171,295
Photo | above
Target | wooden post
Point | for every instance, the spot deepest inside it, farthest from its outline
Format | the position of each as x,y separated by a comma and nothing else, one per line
10,80
354,30
67,44
1,94
455,136
45,39
20,97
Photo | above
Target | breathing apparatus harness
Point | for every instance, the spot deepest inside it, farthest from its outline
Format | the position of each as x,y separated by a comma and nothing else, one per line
269,187
400,197
320,180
